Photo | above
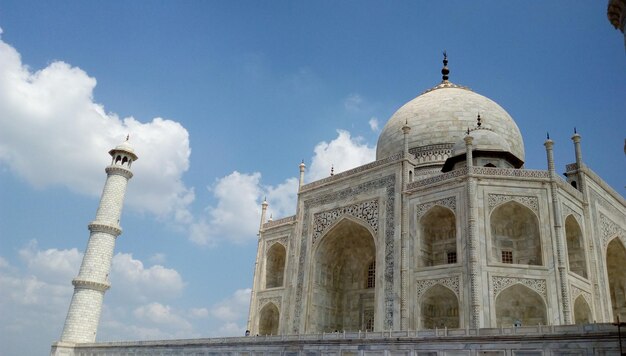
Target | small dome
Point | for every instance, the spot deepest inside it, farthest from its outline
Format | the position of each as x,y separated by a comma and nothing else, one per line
126,148
440,117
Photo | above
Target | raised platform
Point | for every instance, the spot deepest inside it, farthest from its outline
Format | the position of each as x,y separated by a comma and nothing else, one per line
592,339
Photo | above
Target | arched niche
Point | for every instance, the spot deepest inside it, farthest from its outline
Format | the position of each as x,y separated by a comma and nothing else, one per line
615,262
582,312
439,308
437,237
275,266
269,318
519,303
515,235
575,247
340,298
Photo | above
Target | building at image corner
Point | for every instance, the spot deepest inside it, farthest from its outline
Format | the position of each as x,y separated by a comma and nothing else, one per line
445,245
446,229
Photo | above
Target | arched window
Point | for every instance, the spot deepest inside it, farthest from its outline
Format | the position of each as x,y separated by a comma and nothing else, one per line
275,266
515,235
269,319
582,313
615,262
575,247
124,160
439,308
437,244
519,304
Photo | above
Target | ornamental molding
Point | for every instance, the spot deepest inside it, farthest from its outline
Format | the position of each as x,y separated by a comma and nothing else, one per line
501,283
576,292
87,284
97,226
281,240
283,221
363,168
511,172
267,300
567,211
366,212
609,230
438,178
449,202
451,283
388,183
120,171
528,201
430,153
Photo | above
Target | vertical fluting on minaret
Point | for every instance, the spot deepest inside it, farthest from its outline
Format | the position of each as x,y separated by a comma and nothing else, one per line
558,232
472,236
83,316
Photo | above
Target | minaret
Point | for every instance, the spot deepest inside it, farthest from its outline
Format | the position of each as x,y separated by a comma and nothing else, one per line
302,168
83,316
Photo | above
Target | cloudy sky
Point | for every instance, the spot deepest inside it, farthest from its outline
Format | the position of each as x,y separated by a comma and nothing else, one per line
222,101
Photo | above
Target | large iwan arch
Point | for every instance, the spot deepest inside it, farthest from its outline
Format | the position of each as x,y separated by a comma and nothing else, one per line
515,235
615,262
439,308
341,297
437,237
519,303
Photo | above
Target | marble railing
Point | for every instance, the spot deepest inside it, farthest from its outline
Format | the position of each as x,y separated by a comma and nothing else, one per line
281,221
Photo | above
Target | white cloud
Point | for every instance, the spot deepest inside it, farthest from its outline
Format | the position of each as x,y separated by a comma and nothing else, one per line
343,153
132,281
199,312
236,216
157,313
373,124
234,308
49,117
353,102
58,266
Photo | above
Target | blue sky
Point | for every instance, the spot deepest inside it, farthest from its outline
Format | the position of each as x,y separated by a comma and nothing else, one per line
222,101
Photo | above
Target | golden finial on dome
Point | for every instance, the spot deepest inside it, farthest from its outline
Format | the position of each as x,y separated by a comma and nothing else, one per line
445,71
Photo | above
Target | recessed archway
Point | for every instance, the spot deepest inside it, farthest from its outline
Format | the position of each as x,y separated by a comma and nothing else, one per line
515,235
615,262
269,319
340,298
582,312
519,303
575,247
437,237
275,266
439,308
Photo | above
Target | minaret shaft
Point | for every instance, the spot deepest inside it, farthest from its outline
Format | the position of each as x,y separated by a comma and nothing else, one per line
92,281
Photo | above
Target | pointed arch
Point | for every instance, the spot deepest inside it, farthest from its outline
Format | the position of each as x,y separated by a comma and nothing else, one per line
339,298
269,319
582,312
439,308
275,266
438,245
515,235
520,303
616,273
575,247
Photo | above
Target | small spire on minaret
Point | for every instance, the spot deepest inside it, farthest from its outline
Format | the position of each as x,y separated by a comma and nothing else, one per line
575,130
332,170
271,217
301,181
127,137
445,71
478,122
547,135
